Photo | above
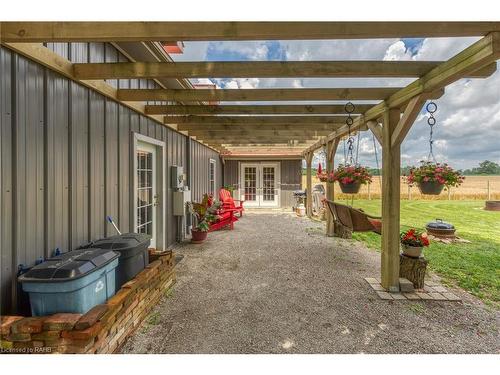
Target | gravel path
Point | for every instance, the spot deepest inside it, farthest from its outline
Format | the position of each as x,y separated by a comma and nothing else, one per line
276,284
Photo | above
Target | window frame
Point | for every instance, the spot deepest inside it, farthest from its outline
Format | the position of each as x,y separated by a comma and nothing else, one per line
212,183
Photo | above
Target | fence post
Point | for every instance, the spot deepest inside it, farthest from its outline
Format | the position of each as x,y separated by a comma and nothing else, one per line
489,191
369,193
449,194
409,192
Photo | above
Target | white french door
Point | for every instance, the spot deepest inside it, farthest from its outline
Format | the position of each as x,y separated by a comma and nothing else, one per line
260,184
147,196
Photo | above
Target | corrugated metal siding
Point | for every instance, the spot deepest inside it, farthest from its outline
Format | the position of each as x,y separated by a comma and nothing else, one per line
200,159
66,158
291,177
6,184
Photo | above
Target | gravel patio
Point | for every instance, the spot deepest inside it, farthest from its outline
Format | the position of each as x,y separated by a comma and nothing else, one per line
276,284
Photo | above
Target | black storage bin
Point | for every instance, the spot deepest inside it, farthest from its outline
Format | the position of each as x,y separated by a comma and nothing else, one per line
133,250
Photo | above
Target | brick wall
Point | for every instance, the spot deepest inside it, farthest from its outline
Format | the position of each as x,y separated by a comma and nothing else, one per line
103,329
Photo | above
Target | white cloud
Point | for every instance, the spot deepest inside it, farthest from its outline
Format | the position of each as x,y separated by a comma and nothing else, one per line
397,51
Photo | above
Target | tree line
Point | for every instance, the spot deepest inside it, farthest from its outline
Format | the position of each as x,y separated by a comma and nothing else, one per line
485,168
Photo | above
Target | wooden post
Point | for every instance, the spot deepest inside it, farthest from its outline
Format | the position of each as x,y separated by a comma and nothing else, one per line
369,193
409,192
309,158
489,190
331,149
391,156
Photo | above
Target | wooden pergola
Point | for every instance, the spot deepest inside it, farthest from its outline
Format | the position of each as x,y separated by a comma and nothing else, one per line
280,130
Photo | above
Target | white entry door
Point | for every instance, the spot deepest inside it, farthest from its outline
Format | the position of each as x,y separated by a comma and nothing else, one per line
147,196
260,184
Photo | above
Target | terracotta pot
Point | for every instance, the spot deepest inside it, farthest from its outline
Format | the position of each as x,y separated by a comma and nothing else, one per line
198,236
430,187
352,188
412,251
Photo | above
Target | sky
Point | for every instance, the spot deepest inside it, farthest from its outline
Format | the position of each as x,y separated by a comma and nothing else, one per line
468,116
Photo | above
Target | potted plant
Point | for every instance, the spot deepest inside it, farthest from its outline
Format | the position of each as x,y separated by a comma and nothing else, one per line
432,178
350,178
204,213
413,242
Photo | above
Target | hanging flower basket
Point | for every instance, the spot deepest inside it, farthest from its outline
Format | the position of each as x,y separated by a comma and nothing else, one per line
430,187
432,178
321,174
350,178
350,188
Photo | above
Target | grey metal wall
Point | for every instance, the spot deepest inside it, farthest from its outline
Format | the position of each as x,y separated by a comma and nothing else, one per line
291,177
291,180
65,160
199,159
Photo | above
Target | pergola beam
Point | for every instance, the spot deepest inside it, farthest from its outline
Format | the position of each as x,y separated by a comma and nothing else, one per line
259,127
260,69
211,95
277,109
246,134
207,31
264,120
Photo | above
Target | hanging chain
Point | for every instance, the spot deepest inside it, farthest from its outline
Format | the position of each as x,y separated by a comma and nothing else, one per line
431,109
349,108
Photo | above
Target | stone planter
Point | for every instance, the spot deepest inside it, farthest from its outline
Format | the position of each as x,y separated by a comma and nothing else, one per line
352,188
412,251
198,236
430,187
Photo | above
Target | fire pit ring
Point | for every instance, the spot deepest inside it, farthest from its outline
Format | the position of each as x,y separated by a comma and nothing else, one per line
492,206
440,229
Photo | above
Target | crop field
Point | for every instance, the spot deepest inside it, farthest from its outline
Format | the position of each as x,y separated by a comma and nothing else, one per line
474,187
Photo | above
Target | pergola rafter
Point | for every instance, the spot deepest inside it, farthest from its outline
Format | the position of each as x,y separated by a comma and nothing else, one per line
211,95
260,69
277,109
39,32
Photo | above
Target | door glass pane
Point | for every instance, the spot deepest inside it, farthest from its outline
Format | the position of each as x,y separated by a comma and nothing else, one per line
250,183
144,192
268,184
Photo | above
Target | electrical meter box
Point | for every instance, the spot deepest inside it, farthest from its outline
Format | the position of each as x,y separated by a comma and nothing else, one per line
178,177
181,197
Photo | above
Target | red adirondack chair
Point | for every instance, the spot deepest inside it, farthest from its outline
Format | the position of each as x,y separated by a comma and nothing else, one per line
228,202
226,218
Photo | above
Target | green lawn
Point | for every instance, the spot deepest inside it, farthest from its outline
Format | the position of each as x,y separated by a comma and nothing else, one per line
475,266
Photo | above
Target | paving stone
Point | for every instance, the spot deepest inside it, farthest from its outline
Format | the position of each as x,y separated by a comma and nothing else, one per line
411,295
378,287
440,289
384,295
428,289
431,283
451,297
372,280
405,285
27,325
437,296
425,296
84,334
6,322
398,296
91,317
62,321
